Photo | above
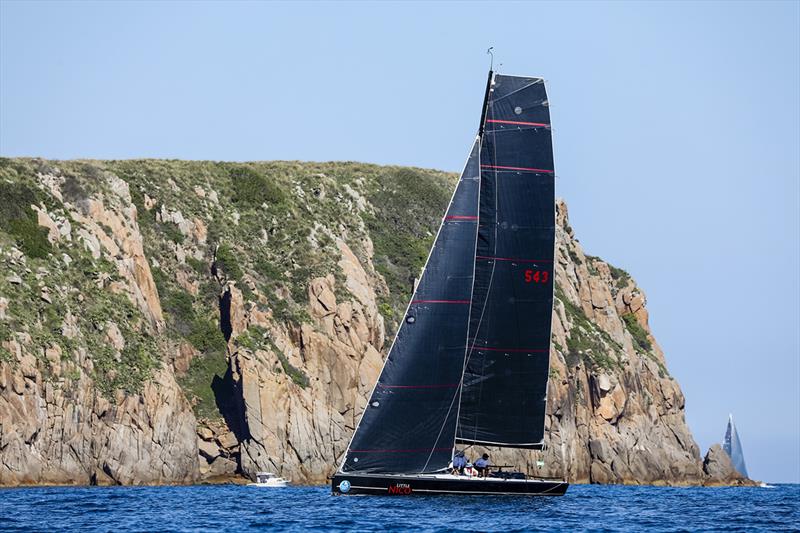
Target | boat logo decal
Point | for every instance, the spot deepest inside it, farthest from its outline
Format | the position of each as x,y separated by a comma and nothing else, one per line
344,486
400,488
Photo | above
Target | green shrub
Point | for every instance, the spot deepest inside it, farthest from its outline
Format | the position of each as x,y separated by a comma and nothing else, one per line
269,269
226,259
134,367
206,336
5,334
179,303
386,310
179,306
206,368
72,190
30,237
201,267
198,382
15,201
18,219
253,189
586,341
160,279
172,232
637,332
620,276
408,205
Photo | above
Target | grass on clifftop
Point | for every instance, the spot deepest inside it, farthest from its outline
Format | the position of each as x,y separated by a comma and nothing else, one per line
409,204
269,226
19,220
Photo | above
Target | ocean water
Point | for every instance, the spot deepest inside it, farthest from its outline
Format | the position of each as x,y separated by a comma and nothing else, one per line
237,508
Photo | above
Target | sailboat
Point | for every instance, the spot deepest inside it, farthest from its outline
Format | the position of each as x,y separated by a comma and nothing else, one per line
469,364
733,447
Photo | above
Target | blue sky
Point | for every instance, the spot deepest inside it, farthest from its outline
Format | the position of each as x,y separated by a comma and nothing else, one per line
677,127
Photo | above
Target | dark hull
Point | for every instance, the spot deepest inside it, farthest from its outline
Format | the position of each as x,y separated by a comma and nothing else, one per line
431,485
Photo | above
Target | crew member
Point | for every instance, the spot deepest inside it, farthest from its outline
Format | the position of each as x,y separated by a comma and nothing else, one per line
459,462
482,465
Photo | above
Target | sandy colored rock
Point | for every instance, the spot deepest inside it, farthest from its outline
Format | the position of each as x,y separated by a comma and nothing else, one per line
718,467
296,388
49,438
227,440
208,449
222,467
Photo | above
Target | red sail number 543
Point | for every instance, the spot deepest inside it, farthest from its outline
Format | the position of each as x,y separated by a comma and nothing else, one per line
536,276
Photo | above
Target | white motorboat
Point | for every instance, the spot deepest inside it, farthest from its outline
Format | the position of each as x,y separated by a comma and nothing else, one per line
269,480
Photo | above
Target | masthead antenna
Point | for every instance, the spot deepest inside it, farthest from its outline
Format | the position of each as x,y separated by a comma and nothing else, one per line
491,55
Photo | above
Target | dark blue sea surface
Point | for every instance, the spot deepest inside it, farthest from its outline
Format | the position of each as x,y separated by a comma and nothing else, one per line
236,508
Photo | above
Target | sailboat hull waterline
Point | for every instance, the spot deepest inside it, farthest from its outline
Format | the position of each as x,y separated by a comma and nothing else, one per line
403,485
469,364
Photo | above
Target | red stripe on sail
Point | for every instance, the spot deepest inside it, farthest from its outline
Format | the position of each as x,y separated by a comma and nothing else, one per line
414,450
514,259
515,350
460,217
526,169
439,386
440,302
520,123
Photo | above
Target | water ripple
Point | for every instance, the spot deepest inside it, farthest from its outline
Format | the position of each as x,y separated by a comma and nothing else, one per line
236,508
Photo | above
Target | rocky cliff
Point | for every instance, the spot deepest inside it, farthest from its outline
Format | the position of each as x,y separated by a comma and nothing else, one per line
173,322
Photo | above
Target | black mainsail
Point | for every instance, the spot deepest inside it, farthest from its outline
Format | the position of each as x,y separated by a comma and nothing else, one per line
505,380
470,361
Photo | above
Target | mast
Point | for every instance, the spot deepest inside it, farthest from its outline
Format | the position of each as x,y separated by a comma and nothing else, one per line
485,104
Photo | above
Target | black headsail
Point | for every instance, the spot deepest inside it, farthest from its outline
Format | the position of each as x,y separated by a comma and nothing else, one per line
504,391
409,423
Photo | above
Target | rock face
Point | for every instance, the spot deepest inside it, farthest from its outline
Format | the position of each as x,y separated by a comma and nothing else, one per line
174,322
55,425
55,436
309,427
719,469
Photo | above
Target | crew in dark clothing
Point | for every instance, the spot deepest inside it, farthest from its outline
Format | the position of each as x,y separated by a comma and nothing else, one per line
482,465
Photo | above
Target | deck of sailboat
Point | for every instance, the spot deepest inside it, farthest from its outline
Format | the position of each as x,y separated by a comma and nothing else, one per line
408,484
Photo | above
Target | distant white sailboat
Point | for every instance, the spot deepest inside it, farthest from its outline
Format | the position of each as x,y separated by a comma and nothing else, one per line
733,447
